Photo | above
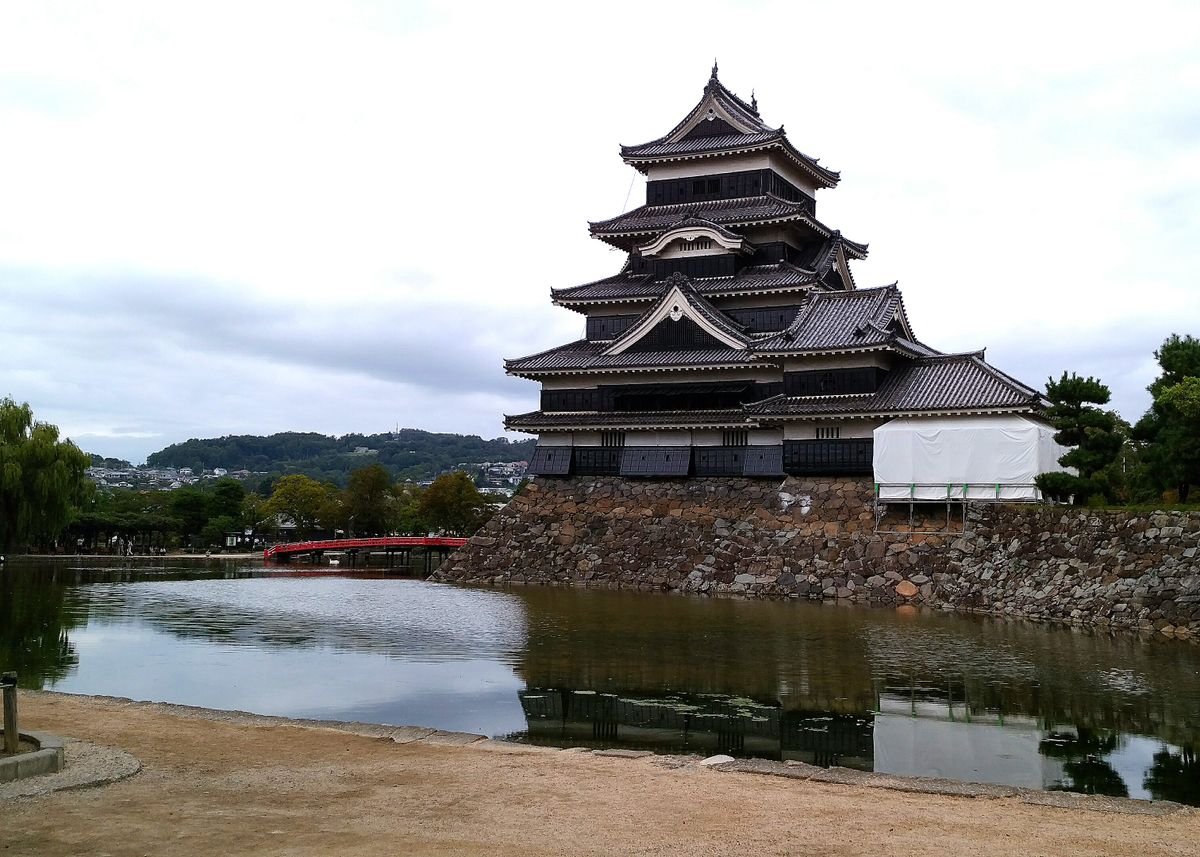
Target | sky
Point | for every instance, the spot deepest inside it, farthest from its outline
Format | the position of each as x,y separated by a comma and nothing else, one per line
249,217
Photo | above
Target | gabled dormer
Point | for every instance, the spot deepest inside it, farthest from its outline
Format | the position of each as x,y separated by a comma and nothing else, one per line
681,320
694,236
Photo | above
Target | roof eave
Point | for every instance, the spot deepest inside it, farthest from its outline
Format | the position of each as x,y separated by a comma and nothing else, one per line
534,374
808,352
894,414
824,177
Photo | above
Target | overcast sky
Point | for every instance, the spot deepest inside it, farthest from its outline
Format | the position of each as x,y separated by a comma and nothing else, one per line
225,218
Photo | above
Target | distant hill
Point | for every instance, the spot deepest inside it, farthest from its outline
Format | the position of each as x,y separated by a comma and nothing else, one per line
113,463
408,453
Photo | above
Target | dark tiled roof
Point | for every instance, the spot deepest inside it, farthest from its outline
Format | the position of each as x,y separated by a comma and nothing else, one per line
648,153
585,355
540,420
705,309
842,320
626,286
745,112
701,304
625,229
693,222
947,382
673,145
658,148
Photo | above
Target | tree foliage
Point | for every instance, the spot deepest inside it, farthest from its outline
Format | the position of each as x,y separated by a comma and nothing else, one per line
453,505
369,501
406,454
299,499
42,478
1171,428
1093,435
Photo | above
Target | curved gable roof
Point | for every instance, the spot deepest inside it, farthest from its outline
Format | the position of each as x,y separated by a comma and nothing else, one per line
737,127
682,301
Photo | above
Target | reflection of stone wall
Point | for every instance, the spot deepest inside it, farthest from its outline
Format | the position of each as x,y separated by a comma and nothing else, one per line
816,539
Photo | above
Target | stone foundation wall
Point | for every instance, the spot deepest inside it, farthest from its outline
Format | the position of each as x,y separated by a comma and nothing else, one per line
817,539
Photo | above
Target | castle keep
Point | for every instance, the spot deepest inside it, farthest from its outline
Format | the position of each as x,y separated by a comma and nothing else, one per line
735,341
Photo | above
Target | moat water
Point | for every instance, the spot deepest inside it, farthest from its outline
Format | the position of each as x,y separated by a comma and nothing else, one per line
910,693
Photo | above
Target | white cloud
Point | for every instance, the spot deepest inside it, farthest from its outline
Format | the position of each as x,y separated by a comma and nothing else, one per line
260,216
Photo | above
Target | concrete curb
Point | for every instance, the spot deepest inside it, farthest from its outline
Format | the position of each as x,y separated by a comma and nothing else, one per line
46,759
86,765
792,770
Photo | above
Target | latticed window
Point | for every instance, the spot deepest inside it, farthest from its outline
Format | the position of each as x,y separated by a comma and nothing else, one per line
829,432
612,438
735,437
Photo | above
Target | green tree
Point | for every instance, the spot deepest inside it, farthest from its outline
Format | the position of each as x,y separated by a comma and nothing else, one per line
43,479
1171,428
255,517
189,507
332,513
453,504
213,533
226,498
406,510
300,499
1091,432
369,500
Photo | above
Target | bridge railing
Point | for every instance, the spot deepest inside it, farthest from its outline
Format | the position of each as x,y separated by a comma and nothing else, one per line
350,544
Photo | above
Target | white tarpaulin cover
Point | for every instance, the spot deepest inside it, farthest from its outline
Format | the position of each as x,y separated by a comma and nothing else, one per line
976,458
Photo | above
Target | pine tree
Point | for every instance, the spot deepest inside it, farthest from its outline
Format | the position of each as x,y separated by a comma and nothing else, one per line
1171,428
1091,432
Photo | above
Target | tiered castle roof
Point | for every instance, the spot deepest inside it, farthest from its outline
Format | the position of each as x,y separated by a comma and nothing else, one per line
723,124
771,291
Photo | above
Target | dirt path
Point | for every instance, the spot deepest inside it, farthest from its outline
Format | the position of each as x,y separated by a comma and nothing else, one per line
210,786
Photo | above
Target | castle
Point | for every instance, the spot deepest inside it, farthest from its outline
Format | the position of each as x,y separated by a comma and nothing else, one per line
735,341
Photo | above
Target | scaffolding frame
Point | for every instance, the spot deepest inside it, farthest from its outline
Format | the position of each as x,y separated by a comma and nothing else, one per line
950,500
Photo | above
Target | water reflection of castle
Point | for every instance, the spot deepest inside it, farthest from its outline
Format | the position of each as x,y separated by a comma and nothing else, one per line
903,735
980,700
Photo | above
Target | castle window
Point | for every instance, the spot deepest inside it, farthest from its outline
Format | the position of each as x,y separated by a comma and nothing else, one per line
612,438
735,437
829,432
697,244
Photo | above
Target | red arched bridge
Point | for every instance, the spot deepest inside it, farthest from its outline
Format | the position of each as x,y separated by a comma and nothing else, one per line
443,546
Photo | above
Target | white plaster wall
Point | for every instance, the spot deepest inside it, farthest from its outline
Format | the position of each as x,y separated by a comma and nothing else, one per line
709,166
679,249
750,301
850,428
568,382
658,438
617,308
669,376
554,438
837,361
732,164
766,437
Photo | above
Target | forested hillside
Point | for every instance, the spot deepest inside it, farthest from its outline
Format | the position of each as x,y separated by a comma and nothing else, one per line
407,454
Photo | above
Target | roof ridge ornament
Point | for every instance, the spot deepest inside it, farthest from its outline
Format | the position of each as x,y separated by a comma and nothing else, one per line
678,278
753,102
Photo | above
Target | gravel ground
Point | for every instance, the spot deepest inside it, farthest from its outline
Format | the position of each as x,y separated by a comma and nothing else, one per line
226,783
86,765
